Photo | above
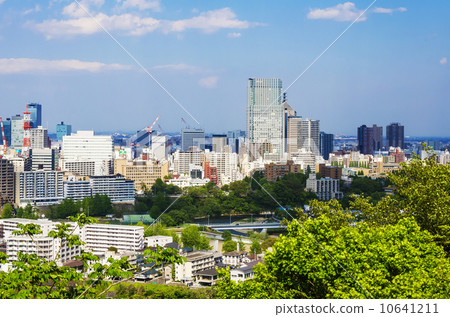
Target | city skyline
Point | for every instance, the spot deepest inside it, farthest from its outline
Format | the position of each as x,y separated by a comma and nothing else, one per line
392,64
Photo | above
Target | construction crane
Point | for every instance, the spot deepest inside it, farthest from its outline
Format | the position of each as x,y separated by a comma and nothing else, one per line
149,130
5,142
186,125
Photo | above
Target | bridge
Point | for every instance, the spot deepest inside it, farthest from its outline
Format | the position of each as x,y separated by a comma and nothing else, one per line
244,225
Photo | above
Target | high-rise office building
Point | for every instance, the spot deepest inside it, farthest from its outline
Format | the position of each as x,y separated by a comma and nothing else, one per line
395,136
326,144
16,131
43,159
62,130
39,138
219,141
265,122
292,129
192,137
370,139
36,114
88,154
7,130
309,135
6,182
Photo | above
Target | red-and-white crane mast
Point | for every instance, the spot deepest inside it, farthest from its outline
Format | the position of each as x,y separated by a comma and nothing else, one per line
26,132
5,142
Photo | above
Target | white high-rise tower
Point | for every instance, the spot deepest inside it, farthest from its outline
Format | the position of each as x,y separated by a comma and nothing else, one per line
265,112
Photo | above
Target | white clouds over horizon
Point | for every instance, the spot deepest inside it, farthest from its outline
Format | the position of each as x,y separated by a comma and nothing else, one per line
32,65
79,23
347,11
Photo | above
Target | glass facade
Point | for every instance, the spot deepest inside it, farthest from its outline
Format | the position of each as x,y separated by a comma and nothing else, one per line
265,112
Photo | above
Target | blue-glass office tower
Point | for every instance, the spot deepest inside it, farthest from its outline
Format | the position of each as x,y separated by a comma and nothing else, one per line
192,137
62,130
326,144
7,128
36,114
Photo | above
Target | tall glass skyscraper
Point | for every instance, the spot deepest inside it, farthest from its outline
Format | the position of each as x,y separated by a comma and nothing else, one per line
265,112
36,114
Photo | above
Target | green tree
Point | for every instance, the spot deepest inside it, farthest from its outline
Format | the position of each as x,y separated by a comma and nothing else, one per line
255,247
192,238
226,235
394,261
7,211
229,246
268,243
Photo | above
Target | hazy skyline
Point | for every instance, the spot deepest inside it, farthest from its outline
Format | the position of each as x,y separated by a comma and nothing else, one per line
391,66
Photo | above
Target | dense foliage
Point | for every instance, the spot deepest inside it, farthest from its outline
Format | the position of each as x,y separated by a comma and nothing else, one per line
395,261
238,198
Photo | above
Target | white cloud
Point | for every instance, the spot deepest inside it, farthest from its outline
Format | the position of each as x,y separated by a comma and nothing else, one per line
389,11
36,8
1,1
130,24
181,67
443,61
74,9
208,82
32,65
154,5
341,12
209,22
233,35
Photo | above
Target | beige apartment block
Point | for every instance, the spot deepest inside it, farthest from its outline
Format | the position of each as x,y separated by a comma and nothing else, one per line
141,172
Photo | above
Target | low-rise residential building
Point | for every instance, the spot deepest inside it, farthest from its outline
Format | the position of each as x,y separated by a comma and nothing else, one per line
207,277
44,246
195,262
234,258
155,241
244,273
274,171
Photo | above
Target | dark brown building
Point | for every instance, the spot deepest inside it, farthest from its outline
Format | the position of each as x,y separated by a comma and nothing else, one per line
330,171
6,182
273,171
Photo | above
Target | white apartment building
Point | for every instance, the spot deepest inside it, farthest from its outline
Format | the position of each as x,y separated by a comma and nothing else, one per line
226,164
184,181
116,187
183,160
39,188
99,237
195,262
77,190
43,245
88,154
325,188
160,147
155,241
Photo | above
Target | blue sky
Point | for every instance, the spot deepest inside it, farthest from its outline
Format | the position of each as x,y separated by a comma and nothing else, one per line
390,66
